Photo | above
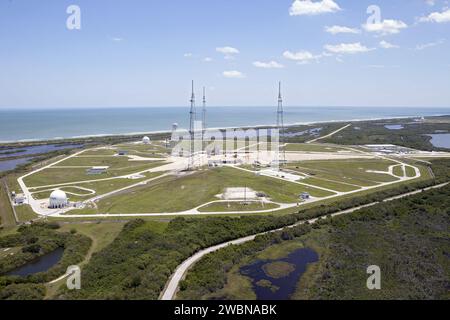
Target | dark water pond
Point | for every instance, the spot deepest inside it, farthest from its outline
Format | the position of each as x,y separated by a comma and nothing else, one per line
313,132
281,288
29,151
25,151
440,140
41,264
12,164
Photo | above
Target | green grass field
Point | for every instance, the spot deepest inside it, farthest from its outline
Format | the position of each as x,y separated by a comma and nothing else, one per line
398,171
100,152
100,187
237,206
410,172
55,176
80,194
114,163
171,194
25,213
341,187
149,150
349,171
313,147
6,213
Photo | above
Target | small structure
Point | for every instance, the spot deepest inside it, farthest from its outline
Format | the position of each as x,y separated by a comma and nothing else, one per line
239,194
58,199
305,196
146,140
221,162
19,199
97,170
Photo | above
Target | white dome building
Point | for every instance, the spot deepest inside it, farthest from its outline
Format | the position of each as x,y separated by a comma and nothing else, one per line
146,140
58,199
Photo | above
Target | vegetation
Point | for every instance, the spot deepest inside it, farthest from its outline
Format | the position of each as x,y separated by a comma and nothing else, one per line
173,194
355,171
412,254
58,175
137,264
304,133
6,212
314,147
278,269
34,241
413,134
237,206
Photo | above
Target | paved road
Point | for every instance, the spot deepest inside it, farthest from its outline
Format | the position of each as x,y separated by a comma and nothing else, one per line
171,287
329,135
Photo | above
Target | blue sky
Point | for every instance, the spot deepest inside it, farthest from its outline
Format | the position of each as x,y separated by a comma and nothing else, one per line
144,53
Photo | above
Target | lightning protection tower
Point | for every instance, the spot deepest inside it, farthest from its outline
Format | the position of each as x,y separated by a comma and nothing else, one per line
191,130
204,114
280,123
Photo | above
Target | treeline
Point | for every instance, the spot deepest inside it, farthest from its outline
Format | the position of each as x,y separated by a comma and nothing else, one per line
407,238
138,263
325,128
413,135
35,241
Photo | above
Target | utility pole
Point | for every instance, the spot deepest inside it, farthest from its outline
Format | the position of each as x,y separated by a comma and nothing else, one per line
204,112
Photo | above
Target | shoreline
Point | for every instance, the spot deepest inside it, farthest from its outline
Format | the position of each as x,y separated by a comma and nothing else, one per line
87,136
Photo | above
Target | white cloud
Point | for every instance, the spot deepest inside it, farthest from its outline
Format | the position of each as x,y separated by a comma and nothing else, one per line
376,66
308,7
430,2
347,48
227,50
208,59
268,65
301,57
340,29
438,17
381,66
233,74
116,39
387,26
388,45
187,55
429,45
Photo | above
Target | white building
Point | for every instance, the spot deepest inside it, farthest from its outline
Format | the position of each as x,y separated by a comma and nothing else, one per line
97,170
146,140
19,199
58,199
305,196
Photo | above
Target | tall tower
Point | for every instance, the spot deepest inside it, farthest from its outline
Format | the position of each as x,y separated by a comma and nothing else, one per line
191,129
280,122
204,113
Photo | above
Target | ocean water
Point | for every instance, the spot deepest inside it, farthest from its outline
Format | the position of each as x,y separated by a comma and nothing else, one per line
32,124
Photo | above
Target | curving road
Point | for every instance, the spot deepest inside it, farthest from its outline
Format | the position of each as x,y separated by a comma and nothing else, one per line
330,134
171,287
